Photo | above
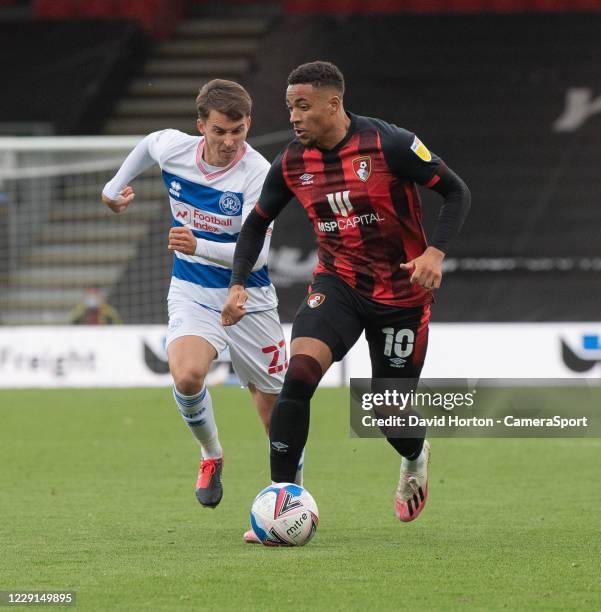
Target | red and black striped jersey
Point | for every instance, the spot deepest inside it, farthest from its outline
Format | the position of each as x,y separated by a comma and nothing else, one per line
362,200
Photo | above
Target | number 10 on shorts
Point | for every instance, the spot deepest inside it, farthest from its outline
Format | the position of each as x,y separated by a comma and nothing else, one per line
278,351
401,343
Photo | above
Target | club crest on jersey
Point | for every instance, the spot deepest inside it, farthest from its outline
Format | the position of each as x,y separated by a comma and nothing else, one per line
315,300
230,203
362,167
420,149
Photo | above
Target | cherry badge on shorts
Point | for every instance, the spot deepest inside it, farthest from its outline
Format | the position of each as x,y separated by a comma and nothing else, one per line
315,300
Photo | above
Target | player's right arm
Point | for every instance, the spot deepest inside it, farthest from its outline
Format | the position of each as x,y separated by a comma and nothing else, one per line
274,197
122,201
117,193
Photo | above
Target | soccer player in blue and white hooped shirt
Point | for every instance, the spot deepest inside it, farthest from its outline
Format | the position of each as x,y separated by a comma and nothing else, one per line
213,182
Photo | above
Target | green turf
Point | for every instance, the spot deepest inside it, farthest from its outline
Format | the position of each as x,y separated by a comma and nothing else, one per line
96,496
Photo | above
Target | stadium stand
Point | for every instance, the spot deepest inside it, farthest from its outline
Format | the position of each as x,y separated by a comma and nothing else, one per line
74,242
341,7
71,77
158,18
65,83
201,48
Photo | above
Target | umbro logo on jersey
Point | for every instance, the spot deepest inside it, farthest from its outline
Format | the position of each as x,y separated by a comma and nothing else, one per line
175,188
306,179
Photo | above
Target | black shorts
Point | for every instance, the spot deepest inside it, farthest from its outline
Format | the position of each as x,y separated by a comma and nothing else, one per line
336,314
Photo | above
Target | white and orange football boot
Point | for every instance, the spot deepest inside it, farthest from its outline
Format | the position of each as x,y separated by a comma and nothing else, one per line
412,490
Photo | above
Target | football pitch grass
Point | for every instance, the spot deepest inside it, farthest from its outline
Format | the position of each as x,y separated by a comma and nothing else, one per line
97,497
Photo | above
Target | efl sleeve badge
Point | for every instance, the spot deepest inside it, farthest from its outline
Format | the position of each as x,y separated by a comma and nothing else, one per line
420,149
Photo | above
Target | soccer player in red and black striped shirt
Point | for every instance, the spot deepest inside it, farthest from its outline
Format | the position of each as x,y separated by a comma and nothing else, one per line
356,178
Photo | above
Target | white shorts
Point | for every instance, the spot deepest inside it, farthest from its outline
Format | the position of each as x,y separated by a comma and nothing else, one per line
256,343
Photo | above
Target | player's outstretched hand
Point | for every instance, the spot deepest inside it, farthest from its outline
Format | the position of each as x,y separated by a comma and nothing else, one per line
233,309
183,240
126,196
426,270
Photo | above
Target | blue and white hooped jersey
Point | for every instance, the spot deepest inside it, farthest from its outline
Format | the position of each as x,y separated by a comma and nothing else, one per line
213,205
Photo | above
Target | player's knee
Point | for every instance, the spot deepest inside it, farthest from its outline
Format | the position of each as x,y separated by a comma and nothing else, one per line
302,378
188,380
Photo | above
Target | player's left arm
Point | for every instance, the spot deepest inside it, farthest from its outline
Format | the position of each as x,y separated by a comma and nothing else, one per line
426,270
411,160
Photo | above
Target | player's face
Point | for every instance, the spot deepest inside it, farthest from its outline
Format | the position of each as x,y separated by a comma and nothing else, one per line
312,112
223,137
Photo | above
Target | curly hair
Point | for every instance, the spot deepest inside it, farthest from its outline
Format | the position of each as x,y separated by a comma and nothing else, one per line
318,74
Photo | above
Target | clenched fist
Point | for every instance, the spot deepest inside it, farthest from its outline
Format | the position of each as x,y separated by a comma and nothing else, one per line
234,310
183,240
126,196
426,270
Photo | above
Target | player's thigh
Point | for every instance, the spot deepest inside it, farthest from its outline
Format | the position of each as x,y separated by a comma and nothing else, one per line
258,351
398,340
194,338
327,316
319,350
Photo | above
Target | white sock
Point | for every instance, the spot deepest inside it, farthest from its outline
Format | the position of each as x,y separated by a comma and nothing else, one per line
298,479
416,464
197,412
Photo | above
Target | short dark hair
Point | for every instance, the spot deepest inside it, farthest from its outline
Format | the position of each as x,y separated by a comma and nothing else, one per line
226,97
318,74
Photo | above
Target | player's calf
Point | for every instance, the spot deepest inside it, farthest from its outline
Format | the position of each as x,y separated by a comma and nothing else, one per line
289,425
197,412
